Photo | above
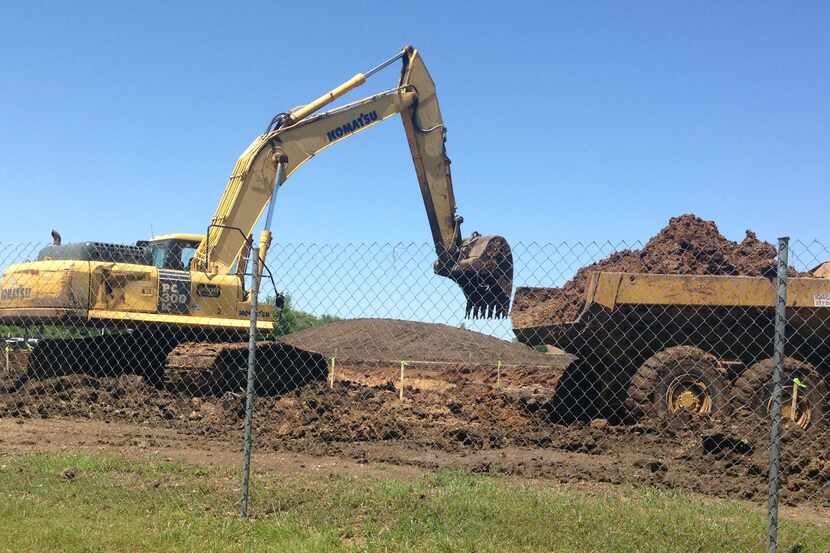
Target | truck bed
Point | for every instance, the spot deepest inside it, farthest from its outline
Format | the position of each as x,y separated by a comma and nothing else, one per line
630,314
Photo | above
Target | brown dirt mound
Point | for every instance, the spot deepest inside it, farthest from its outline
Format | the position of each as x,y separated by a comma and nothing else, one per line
391,340
688,245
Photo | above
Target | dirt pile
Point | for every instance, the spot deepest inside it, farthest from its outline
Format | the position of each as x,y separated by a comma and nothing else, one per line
393,340
688,245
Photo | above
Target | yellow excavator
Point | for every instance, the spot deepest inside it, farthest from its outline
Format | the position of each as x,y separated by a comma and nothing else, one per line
179,302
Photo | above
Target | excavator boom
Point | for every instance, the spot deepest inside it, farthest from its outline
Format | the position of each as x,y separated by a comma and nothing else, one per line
481,265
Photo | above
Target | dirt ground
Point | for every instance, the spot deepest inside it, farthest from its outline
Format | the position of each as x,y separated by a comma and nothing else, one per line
462,424
19,436
688,245
450,412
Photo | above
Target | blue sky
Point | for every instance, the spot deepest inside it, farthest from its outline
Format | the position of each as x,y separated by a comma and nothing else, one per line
567,121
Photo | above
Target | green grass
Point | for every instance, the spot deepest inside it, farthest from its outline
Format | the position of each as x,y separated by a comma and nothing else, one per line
50,331
118,505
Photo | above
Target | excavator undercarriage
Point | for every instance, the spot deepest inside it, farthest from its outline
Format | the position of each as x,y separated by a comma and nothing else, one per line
198,362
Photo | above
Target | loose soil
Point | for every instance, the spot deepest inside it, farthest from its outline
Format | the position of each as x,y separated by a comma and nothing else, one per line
688,245
465,424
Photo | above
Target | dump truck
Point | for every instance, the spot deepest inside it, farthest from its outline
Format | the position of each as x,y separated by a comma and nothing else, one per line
657,344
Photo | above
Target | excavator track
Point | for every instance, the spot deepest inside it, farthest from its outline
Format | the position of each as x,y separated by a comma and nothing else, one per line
189,367
103,355
212,368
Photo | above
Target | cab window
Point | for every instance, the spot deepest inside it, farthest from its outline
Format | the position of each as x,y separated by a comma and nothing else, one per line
173,254
188,251
159,255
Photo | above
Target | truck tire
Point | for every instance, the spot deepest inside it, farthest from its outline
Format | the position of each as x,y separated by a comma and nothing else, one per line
674,379
579,396
753,389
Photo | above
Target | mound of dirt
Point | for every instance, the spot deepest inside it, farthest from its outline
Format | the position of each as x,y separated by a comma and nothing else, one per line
688,245
392,340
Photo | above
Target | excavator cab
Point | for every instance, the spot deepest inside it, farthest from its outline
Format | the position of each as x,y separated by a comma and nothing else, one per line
172,252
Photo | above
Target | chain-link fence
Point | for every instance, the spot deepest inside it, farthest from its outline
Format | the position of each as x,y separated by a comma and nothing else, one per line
647,364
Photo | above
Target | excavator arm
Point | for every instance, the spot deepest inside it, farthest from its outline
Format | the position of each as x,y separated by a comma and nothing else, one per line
482,266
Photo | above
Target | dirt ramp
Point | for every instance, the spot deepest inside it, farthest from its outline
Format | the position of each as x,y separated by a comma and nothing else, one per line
688,245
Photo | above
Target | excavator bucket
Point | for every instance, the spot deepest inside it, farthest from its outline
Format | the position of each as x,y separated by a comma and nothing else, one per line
484,271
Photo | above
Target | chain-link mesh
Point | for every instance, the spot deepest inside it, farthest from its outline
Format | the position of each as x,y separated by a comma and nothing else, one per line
637,370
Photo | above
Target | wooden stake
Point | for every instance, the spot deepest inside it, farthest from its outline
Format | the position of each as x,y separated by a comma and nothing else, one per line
794,404
400,395
331,372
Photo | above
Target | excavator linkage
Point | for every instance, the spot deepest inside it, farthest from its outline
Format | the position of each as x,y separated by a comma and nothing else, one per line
481,265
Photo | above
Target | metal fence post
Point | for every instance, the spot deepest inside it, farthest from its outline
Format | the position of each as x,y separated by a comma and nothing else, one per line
777,376
250,388
258,254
